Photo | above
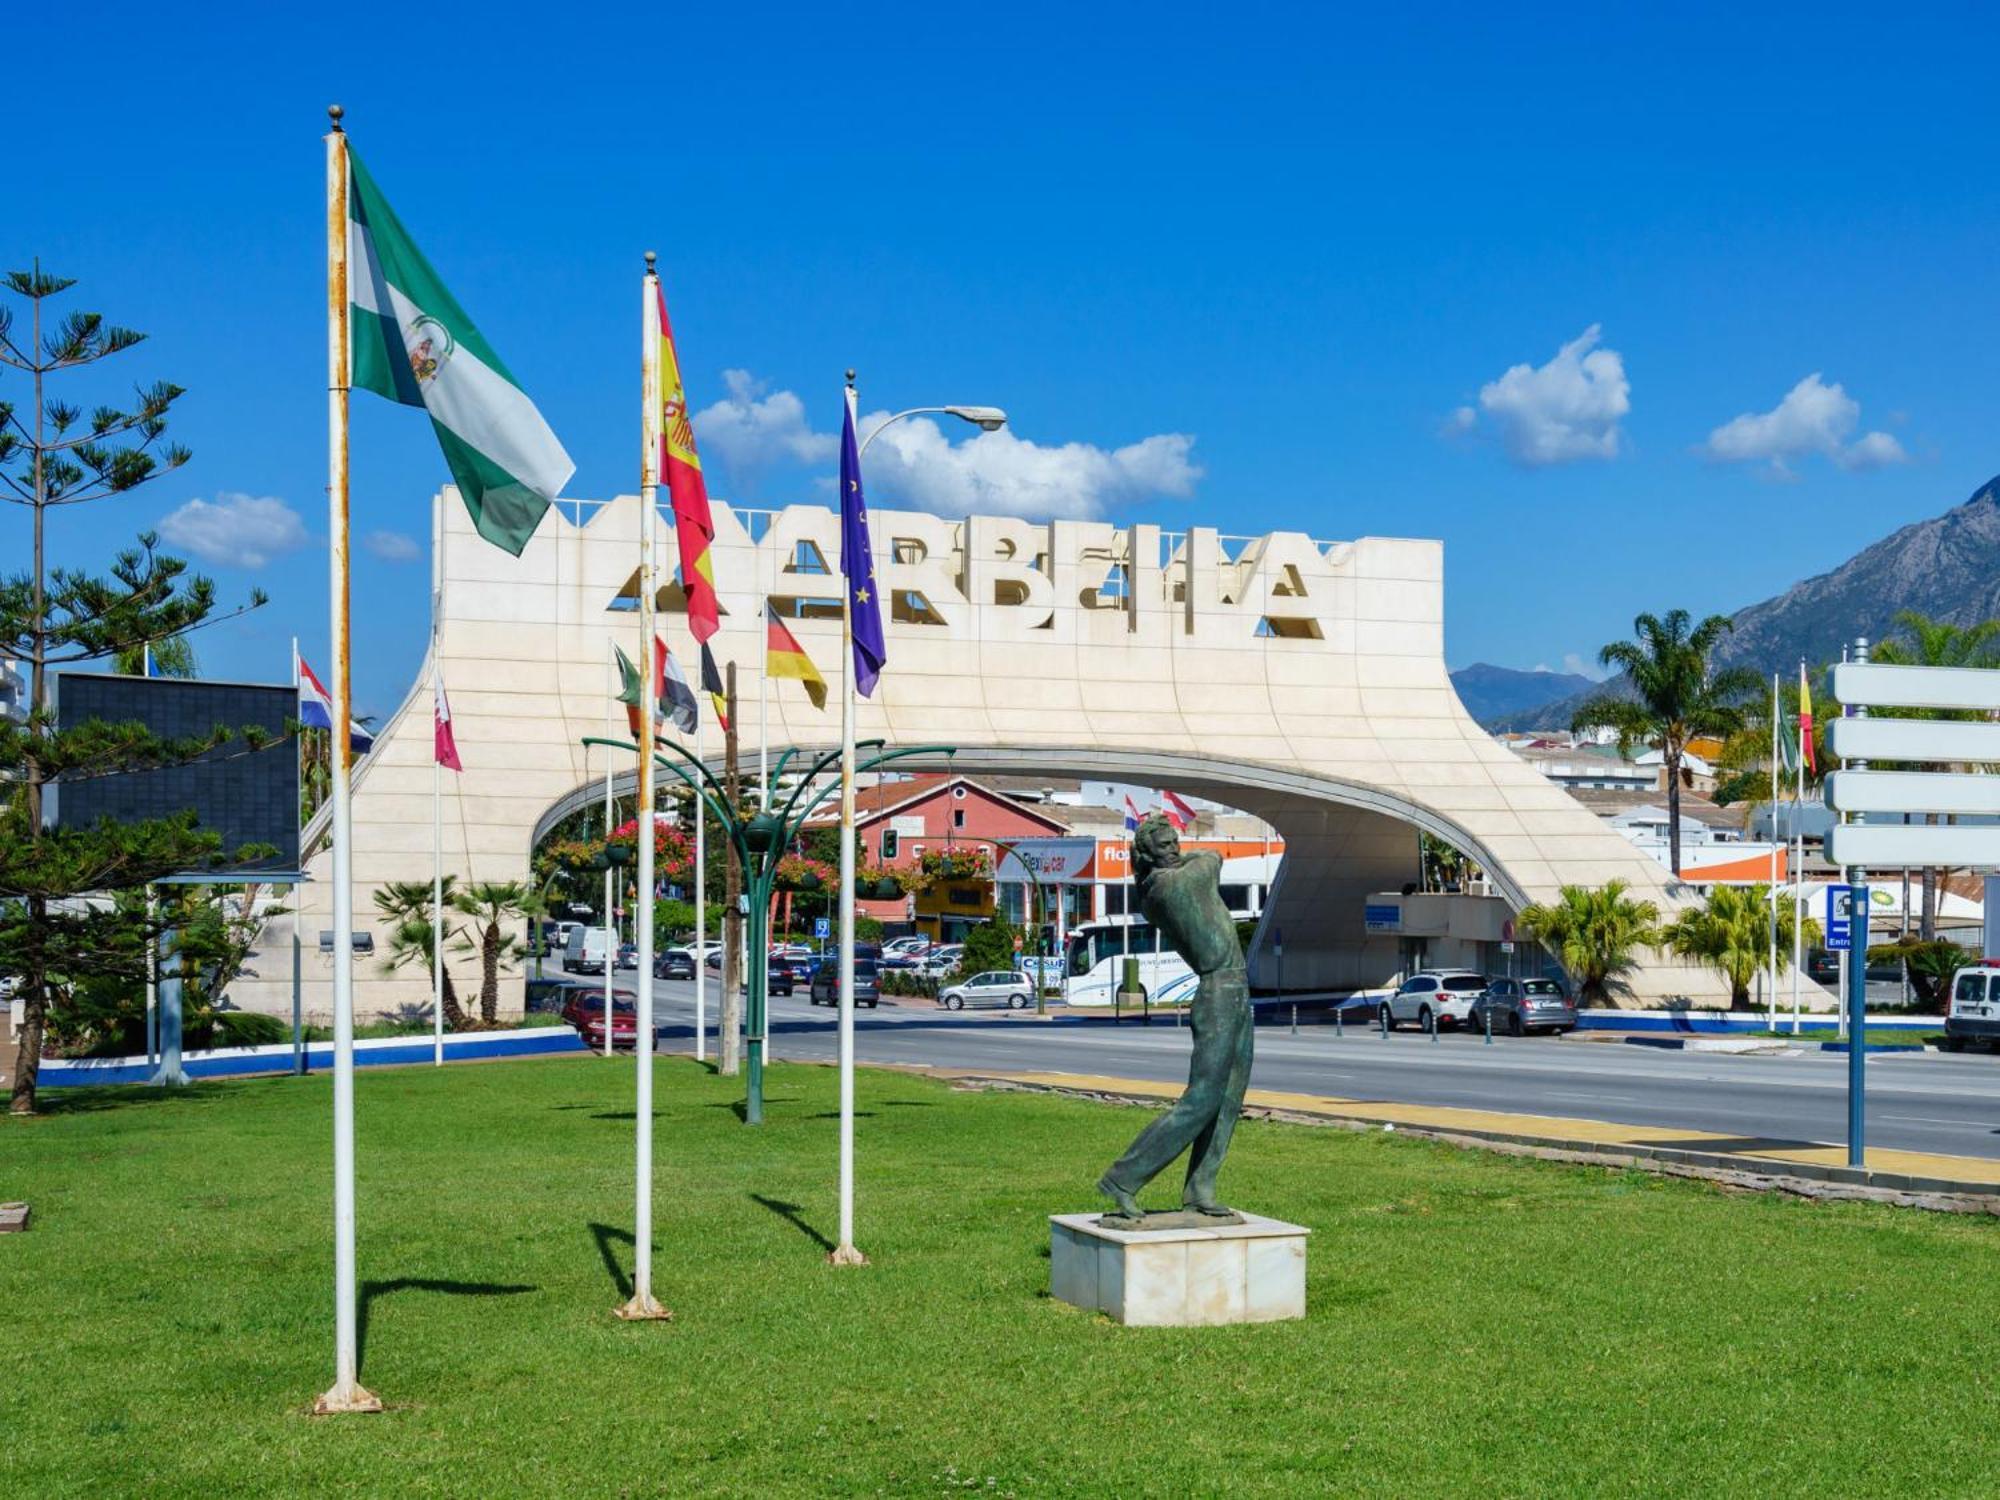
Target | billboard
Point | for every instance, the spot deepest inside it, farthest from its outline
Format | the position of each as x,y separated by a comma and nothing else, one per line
246,796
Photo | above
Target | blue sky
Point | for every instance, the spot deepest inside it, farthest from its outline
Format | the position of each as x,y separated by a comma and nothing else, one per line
1314,241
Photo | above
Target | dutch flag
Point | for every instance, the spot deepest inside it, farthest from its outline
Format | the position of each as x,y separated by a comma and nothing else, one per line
1131,815
316,710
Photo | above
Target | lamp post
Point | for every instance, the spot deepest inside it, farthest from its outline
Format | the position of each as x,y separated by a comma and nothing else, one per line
985,418
761,839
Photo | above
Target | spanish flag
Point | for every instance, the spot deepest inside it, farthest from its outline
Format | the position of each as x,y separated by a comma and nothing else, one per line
785,657
694,526
1805,722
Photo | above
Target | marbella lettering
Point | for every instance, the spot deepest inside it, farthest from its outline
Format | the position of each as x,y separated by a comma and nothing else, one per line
999,577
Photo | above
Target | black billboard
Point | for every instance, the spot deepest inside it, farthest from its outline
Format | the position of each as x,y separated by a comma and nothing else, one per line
247,796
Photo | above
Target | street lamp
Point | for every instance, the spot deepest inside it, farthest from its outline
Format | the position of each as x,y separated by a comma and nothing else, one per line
985,418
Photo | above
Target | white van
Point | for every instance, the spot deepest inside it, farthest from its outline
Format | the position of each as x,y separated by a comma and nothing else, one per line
1974,1014
586,950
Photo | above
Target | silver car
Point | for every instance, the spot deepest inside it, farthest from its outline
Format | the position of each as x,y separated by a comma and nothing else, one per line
1519,1006
995,987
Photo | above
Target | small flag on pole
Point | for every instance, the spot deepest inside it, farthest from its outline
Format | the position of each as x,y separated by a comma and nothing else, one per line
857,564
444,743
316,711
711,682
1178,812
414,344
785,657
1131,815
694,523
1806,722
673,699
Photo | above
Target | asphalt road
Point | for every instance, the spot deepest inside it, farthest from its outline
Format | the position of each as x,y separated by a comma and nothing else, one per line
1917,1101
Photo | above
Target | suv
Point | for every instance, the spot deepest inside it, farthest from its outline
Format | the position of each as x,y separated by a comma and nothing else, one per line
1974,1012
1518,1006
1444,995
826,983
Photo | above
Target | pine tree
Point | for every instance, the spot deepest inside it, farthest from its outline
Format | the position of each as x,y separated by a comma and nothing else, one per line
53,454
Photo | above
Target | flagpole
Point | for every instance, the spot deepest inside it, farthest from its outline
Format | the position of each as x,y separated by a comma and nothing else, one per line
844,1253
643,1303
347,1393
1772,1017
1798,858
437,808
700,912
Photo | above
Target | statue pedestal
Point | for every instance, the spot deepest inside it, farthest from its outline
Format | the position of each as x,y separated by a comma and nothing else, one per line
1253,1272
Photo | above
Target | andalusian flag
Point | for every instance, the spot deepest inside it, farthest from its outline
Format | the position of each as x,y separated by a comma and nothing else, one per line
785,657
1805,721
414,344
694,526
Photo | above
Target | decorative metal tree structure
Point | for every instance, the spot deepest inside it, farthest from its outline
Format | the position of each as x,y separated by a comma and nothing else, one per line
760,840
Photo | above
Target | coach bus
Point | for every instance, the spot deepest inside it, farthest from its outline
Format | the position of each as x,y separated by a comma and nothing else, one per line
1096,960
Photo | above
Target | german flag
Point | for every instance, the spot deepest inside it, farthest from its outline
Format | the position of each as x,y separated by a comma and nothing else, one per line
694,525
785,657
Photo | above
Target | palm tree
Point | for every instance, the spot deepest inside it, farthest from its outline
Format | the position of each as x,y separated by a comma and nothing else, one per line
1594,934
1925,642
1731,933
491,905
407,905
1679,695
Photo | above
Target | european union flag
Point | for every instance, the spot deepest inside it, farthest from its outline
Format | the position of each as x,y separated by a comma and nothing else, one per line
857,565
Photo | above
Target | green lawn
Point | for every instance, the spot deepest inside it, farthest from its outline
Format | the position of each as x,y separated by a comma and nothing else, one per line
1877,1036
1477,1325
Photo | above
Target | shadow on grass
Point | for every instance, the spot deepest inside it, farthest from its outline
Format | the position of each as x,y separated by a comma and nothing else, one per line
834,1114
607,1238
370,1290
90,1101
738,1108
789,1212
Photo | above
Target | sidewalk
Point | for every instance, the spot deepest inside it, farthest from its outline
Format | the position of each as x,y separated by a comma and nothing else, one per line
1897,1172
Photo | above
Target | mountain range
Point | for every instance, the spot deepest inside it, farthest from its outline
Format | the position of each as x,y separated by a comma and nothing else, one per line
1947,568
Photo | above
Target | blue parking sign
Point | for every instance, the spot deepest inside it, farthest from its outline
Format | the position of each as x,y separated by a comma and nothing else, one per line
1839,917
822,927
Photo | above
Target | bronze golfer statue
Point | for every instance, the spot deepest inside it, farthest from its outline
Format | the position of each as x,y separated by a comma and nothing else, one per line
1181,895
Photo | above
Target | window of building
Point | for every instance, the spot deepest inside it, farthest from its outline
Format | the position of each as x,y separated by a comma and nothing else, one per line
958,817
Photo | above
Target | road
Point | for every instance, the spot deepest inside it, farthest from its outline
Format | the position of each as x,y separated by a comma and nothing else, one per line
1917,1101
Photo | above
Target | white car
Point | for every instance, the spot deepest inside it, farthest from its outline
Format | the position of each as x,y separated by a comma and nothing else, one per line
938,963
1444,997
1007,987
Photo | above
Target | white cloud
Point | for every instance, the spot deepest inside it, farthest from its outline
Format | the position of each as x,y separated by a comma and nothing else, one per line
392,546
916,463
1813,418
1556,413
999,474
749,430
237,531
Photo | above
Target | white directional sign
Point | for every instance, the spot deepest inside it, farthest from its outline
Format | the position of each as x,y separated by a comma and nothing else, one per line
1913,739
1913,792
1883,685
1892,845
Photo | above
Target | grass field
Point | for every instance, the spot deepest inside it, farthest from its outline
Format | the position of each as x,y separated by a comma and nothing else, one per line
1477,1325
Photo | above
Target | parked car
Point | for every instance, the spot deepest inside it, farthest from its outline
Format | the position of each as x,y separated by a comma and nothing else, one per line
585,951
1008,987
1443,995
1823,967
942,963
777,978
675,963
1518,1006
585,1011
867,983
546,996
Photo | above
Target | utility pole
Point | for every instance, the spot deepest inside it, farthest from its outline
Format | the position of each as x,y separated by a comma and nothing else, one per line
731,1010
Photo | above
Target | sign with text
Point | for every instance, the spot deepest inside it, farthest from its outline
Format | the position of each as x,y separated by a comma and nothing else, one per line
1840,917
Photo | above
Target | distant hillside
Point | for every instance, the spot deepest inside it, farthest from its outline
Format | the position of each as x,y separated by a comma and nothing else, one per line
1947,567
1488,691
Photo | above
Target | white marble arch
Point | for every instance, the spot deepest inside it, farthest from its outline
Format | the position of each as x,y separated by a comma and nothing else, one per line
1303,681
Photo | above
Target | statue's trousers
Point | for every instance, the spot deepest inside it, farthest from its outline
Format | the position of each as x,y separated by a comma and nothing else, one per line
1203,1119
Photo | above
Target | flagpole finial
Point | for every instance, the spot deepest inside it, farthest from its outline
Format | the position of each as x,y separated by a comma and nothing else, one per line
334,113
651,257
850,377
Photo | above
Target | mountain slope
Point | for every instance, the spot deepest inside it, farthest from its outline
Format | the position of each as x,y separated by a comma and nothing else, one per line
1488,691
1947,567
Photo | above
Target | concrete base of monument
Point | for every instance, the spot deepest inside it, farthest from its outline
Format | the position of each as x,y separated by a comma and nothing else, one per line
1196,1276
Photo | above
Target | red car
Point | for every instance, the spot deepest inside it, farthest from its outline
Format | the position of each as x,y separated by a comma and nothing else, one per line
585,1011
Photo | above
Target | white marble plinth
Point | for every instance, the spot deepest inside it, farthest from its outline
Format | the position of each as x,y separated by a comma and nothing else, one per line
1253,1272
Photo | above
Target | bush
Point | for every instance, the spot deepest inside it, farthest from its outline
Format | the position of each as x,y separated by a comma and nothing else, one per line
990,945
249,1028
1930,965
